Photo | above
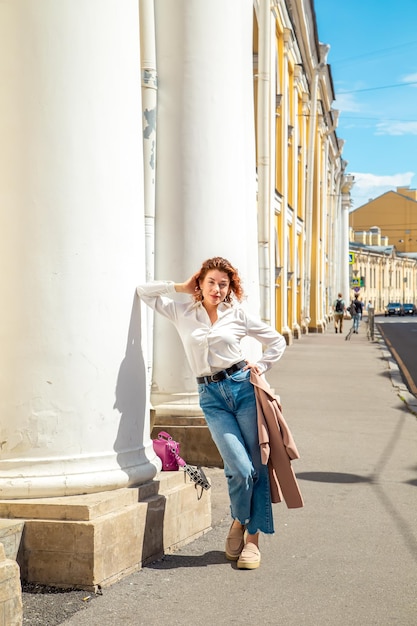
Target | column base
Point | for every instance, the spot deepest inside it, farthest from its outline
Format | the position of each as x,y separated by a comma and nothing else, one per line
93,540
287,334
74,475
296,331
319,327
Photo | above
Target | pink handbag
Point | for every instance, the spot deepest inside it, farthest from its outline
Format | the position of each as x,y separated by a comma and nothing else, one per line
168,451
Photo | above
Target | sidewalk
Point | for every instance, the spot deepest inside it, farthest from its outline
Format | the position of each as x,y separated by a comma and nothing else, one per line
349,557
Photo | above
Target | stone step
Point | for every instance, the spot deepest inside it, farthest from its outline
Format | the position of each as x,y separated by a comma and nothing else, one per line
11,610
10,536
93,540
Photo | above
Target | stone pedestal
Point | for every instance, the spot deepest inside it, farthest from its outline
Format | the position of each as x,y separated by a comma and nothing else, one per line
11,612
196,445
93,540
296,331
319,327
287,334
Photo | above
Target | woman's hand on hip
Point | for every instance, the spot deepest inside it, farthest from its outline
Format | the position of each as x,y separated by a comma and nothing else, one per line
252,366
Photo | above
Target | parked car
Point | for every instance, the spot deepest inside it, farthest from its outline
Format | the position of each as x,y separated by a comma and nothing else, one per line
409,308
394,308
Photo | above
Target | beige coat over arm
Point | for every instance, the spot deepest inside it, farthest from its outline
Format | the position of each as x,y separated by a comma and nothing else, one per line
277,445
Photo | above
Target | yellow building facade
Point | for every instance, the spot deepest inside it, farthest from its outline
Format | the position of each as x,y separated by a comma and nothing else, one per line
379,272
303,188
394,213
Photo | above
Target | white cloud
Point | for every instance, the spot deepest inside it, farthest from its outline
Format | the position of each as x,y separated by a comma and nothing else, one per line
346,103
368,186
396,128
410,78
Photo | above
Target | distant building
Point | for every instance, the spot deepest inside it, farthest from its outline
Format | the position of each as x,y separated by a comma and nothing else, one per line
393,214
379,272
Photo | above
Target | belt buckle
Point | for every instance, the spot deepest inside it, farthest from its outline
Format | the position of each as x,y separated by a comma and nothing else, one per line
217,377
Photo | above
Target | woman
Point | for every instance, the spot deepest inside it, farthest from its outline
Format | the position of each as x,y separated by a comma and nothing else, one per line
211,328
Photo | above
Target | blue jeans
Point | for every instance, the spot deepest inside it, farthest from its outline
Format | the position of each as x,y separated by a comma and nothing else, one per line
229,407
356,319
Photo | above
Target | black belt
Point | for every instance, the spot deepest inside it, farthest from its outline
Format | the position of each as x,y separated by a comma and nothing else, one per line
218,376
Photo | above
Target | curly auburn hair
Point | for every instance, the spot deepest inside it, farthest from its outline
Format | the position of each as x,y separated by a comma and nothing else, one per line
222,265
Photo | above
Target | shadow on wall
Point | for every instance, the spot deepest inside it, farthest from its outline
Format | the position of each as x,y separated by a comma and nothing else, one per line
131,399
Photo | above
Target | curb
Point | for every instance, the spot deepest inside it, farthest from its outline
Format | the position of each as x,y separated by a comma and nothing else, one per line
396,377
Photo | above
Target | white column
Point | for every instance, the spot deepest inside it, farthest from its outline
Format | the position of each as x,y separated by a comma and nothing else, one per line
266,159
206,193
324,232
149,108
333,226
346,186
284,232
304,210
336,227
295,328
73,407
318,69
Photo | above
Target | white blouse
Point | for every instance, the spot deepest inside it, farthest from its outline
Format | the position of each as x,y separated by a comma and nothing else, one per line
212,347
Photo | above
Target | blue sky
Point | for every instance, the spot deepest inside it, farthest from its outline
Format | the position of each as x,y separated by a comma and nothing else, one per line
373,55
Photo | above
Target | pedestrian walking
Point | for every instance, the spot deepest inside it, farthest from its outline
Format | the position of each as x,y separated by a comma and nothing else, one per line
339,308
211,326
356,309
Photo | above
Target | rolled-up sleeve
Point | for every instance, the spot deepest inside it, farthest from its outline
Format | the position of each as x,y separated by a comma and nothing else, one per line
158,295
274,343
